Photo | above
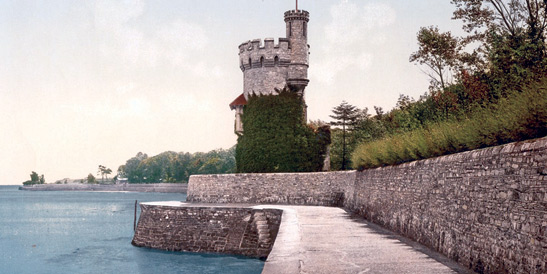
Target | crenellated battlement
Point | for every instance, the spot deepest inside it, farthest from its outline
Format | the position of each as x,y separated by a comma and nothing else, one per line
297,15
268,43
269,67
257,53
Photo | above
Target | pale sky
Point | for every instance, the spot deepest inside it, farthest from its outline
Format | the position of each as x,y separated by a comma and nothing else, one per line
88,83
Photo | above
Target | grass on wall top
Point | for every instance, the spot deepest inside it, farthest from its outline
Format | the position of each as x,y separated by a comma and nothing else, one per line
519,116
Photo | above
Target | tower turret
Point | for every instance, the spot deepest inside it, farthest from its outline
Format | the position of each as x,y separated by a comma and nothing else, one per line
297,33
269,67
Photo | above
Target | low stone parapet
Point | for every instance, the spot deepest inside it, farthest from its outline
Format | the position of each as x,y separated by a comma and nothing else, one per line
238,230
314,188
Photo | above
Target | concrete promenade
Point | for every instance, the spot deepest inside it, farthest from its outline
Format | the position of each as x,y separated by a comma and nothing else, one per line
314,239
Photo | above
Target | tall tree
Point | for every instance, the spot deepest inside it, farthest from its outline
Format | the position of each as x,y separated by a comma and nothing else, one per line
104,171
439,52
510,33
345,115
506,17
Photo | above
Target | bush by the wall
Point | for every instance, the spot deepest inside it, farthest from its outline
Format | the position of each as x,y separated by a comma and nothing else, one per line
276,138
519,116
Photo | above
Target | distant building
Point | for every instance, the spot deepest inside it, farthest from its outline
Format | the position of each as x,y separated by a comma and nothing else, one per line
121,180
268,67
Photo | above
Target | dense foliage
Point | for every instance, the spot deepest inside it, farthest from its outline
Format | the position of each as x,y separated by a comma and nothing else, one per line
90,179
35,179
276,138
173,167
520,116
487,88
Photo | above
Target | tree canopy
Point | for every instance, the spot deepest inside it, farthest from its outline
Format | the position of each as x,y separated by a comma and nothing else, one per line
104,171
35,179
439,52
176,167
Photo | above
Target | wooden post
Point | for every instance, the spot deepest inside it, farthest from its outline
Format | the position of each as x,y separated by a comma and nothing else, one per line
135,219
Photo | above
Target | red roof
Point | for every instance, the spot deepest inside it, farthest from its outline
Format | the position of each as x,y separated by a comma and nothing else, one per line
239,101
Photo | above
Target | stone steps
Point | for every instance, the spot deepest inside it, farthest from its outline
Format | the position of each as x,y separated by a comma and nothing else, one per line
260,221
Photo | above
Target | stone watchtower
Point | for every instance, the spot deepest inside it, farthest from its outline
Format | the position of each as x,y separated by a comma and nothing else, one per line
269,67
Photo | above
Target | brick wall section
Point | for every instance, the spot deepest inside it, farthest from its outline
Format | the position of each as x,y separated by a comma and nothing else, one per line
486,209
318,188
239,231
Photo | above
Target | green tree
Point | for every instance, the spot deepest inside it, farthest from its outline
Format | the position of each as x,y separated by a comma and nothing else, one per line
104,171
217,162
439,52
511,37
35,179
173,167
133,169
91,179
503,17
345,115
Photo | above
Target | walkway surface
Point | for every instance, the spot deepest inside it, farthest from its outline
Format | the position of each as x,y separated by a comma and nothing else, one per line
315,239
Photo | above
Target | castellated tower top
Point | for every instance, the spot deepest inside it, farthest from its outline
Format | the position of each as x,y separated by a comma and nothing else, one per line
268,66
297,15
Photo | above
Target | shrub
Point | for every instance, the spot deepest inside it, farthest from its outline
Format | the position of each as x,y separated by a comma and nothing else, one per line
519,116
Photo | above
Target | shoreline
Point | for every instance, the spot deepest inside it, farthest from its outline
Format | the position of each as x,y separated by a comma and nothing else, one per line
160,187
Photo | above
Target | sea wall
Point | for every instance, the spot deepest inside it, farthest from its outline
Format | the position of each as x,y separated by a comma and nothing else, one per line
319,188
486,209
229,230
163,187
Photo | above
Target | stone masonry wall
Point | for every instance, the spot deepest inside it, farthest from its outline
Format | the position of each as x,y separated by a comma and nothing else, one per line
486,209
318,188
239,231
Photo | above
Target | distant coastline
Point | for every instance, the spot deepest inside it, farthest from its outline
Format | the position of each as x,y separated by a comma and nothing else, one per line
162,187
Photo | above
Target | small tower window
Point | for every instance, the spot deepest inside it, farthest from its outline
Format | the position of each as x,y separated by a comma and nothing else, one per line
250,63
305,29
290,29
262,61
276,61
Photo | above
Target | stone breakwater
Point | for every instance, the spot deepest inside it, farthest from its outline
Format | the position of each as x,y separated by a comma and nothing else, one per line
165,188
486,209
238,230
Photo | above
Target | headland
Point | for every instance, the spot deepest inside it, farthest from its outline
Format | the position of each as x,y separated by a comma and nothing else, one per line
161,187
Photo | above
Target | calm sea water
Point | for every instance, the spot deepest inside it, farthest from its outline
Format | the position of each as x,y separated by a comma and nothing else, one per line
91,232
